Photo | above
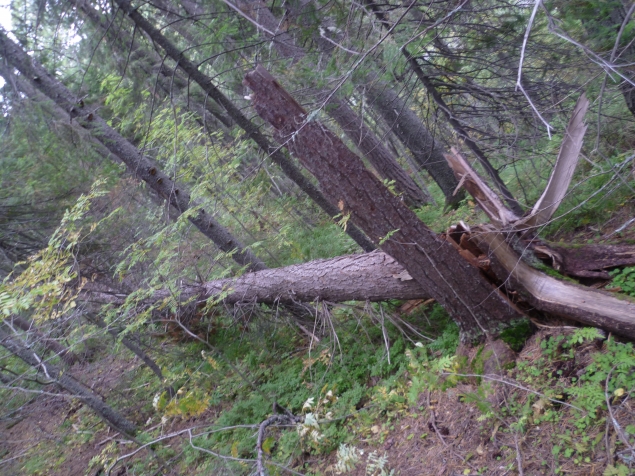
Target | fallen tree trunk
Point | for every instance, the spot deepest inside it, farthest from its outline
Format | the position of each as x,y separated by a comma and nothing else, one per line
67,382
365,277
377,276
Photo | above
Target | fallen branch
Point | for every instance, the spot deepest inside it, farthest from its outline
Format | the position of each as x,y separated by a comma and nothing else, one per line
286,419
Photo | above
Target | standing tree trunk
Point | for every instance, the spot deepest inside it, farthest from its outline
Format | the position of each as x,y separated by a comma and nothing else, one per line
68,383
234,112
477,307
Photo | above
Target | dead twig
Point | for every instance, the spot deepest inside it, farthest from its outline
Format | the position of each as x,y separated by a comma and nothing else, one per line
278,420
618,428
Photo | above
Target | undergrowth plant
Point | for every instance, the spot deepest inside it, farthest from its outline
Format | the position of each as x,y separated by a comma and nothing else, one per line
625,280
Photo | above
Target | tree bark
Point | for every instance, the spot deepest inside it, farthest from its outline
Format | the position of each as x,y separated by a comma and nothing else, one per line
349,121
588,306
365,277
68,383
249,127
138,164
414,135
472,302
377,276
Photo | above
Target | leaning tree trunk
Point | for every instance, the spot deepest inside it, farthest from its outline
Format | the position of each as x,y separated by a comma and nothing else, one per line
377,154
414,135
456,125
472,302
140,165
68,383
172,83
234,112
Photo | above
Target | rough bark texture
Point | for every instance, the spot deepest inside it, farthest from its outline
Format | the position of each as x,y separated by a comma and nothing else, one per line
443,275
68,383
249,127
349,121
414,135
377,154
138,164
365,277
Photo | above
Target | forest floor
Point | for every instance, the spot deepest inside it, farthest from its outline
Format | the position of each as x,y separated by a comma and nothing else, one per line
460,426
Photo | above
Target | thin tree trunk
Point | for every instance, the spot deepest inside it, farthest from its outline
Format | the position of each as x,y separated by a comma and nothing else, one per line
138,164
168,80
249,127
67,356
414,135
472,302
134,348
427,83
64,380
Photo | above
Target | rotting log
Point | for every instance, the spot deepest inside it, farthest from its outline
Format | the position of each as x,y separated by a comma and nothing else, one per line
478,307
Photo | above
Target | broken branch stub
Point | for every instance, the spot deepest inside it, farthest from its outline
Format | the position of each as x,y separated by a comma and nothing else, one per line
560,178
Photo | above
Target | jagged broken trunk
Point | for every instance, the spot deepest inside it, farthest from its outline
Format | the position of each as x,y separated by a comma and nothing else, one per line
442,273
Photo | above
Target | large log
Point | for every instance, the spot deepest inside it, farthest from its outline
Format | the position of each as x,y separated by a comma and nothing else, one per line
365,277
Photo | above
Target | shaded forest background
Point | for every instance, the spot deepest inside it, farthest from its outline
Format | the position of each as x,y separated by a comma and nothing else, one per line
139,176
